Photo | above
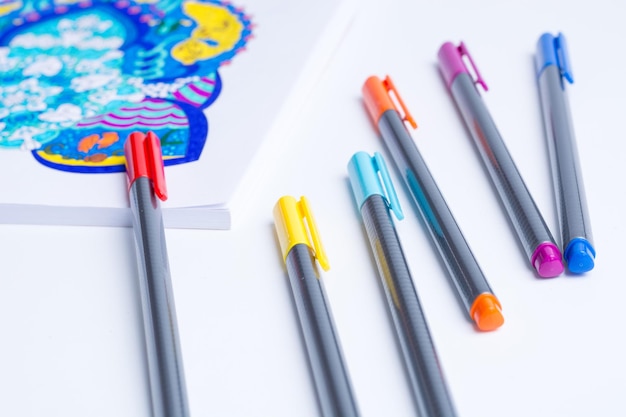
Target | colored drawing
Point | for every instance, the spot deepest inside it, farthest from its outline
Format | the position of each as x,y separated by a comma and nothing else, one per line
76,77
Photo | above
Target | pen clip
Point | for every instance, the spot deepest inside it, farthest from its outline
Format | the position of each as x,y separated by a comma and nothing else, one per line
562,58
144,159
391,198
390,87
309,224
479,79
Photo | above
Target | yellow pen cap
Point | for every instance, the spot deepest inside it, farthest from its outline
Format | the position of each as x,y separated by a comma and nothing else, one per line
295,224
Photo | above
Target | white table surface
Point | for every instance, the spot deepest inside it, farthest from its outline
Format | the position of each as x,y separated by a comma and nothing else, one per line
70,320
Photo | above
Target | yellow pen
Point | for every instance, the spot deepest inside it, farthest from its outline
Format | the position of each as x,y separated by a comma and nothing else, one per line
301,246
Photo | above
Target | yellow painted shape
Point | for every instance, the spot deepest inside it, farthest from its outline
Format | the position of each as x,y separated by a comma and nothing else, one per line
5,9
215,24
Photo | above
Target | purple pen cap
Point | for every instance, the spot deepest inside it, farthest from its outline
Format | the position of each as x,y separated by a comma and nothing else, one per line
451,63
547,260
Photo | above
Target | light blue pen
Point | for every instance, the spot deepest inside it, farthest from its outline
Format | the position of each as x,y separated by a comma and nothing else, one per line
375,199
553,73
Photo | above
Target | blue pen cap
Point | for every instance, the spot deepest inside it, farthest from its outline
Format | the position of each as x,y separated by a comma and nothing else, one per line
552,50
366,173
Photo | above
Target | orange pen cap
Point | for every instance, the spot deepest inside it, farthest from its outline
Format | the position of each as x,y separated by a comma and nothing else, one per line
377,98
487,312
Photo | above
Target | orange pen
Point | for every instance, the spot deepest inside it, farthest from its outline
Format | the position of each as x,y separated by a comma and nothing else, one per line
481,304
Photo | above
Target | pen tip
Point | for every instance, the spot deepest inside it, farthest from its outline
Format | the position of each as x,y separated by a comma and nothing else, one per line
486,312
547,260
580,256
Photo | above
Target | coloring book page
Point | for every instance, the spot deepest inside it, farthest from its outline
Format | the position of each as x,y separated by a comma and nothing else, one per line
213,79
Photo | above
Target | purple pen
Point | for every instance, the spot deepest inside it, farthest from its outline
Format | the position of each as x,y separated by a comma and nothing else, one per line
538,243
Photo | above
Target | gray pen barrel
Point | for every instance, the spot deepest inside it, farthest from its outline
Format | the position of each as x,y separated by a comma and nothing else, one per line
427,380
566,173
521,208
167,383
332,382
457,256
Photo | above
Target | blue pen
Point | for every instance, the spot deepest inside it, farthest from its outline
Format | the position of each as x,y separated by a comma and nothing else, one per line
553,73
427,381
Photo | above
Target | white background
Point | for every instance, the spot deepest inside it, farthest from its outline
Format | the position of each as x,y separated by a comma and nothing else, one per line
70,319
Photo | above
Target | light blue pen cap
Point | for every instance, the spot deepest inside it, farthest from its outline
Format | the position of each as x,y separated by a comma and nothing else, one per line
369,176
552,50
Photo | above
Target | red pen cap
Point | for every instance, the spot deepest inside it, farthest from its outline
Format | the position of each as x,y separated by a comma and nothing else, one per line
377,98
144,159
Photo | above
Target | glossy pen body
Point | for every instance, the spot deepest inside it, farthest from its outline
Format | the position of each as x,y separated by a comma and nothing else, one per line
480,303
532,231
330,374
553,73
427,380
165,367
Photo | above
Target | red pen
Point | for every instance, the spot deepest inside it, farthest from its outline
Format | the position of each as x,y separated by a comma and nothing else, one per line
146,186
